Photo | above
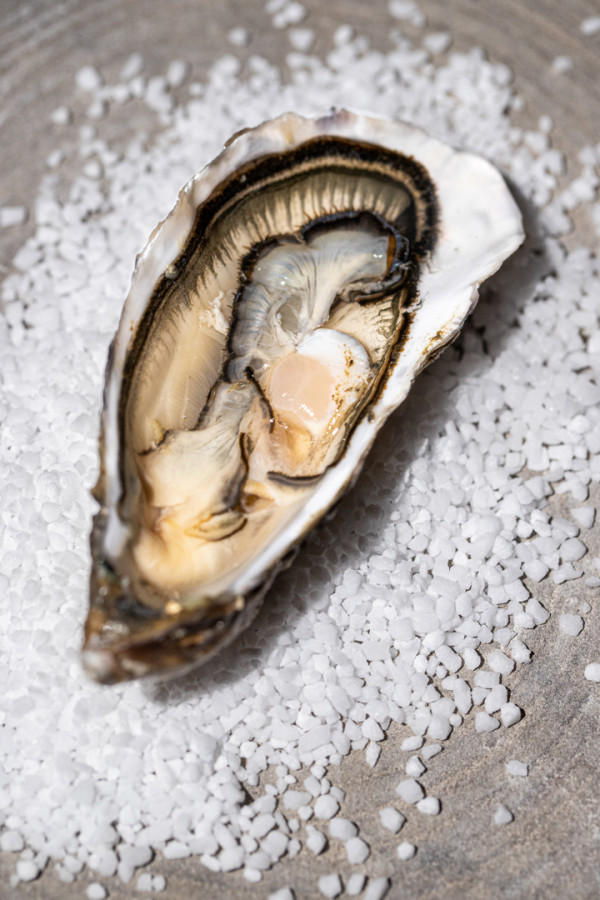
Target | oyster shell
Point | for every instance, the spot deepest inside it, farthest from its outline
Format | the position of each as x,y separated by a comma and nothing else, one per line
276,318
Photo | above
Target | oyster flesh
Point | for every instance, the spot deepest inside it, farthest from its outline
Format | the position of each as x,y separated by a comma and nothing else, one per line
276,318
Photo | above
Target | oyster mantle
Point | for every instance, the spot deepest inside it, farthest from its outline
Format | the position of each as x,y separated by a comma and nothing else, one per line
276,318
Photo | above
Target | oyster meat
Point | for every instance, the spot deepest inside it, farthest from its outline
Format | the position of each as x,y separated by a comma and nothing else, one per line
276,318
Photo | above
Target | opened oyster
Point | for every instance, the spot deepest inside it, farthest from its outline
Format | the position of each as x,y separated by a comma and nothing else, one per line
276,318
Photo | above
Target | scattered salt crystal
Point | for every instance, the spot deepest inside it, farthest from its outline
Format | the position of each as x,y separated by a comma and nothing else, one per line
27,870
503,815
514,767
290,14
12,215
377,888
412,743
572,549
88,78
316,840
11,842
592,672
144,882
414,767
437,41
538,613
485,723
571,624
536,569
93,169
330,885
519,651
62,115
284,893
431,750
407,11
295,799
410,790
97,109
54,159
372,754
562,64
177,72
498,661
326,807
301,39
472,658
238,37
342,829
133,66
496,699
510,714
429,805
96,891
355,884
405,850
439,728
391,819
590,26
584,515
372,730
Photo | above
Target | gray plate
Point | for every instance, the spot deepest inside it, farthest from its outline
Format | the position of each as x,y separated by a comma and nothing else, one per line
553,847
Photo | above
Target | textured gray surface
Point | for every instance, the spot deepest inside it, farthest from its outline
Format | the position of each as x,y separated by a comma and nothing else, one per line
553,847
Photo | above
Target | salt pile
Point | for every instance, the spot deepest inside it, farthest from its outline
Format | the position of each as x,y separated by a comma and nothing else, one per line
412,607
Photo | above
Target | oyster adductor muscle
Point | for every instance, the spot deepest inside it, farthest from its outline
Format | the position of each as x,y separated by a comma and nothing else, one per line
276,318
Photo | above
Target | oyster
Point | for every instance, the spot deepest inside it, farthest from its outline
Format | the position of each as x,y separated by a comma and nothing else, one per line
276,318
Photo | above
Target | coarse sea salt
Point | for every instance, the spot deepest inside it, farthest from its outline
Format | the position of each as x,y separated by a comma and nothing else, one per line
413,616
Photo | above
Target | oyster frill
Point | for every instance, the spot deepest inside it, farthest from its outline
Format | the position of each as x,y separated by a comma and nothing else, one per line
276,318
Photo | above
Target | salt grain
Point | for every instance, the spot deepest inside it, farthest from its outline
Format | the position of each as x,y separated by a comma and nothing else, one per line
391,819
357,850
510,714
326,807
62,115
437,41
377,888
284,893
590,26
429,805
503,815
27,870
12,215
407,11
500,662
405,850
177,72
410,790
355,884
330,885
592,672
11,842
316,840
342,829
238,37
96,891
571,624
88,78
485,723
562,64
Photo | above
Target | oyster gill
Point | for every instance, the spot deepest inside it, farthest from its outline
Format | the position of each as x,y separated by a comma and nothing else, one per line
276,318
